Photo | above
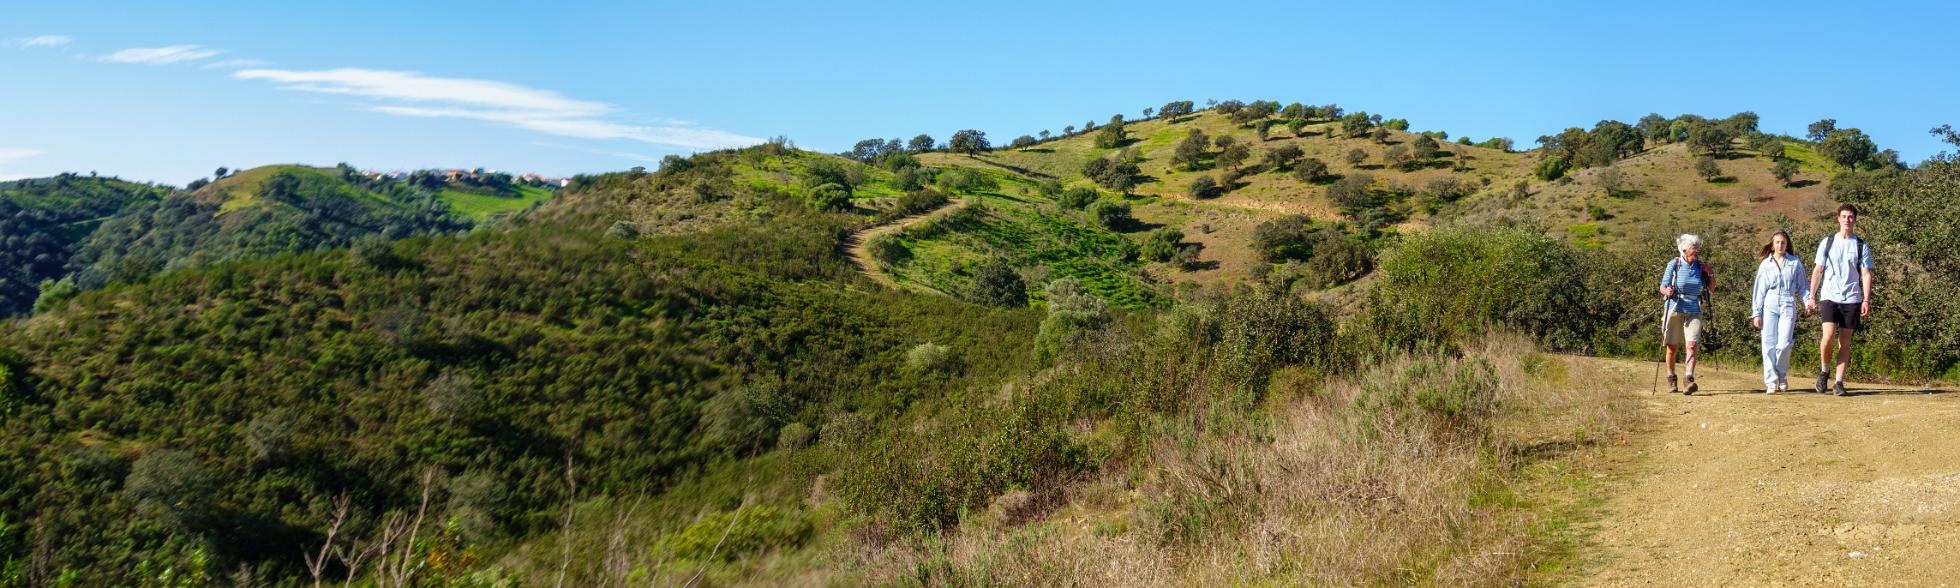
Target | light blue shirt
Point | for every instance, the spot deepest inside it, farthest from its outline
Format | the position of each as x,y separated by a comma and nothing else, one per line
1841,283
1687,283
1779,286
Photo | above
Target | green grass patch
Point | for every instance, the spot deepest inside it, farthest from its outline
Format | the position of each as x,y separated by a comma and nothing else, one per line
482,206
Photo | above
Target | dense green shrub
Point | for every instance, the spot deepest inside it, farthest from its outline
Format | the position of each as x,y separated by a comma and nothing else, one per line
1439,285
1078,197
1111,214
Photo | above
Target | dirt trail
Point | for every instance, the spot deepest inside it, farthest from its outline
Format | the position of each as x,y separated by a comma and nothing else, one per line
855,244
1732,487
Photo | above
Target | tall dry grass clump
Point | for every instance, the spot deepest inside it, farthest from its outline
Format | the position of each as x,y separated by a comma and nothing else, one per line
1407,472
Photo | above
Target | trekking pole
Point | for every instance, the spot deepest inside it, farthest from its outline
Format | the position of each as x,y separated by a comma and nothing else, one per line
1655,388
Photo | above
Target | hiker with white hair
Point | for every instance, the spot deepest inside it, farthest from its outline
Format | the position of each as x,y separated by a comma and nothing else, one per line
1684,285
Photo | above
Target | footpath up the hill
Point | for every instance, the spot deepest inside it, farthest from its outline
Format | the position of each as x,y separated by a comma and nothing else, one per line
1732,487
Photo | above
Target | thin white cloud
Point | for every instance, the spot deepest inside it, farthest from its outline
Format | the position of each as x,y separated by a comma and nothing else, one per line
234,63
161,55
407,93
9,154
41,41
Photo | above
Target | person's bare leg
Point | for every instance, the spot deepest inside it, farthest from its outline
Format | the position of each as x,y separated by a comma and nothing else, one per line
1843,352
1692,345
1824,347
1670,360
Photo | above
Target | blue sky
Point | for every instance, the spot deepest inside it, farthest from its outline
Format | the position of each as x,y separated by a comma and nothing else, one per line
169,91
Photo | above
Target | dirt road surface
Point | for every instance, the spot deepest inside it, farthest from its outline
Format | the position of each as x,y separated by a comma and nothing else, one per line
1733,487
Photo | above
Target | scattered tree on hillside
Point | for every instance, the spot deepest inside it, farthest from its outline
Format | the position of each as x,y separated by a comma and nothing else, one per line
1707,169
220,174
1821,129
1078,197
1174,109
1399,124
1109,214
1352,193
1310,170
1709,138
1190,151
1229,107
1160,244
1357,125
1653,127
1068,131
1612,181
1283,156
829,197
1424,147
1398,156
1234,155
1289,237
1848,148
1112,134
1203,187
995,283
1356,155
1741,124
1379,134
1022,142
1044,134
1146,112
867,150
1119,173
1550,168
1772,148
920,144
1784,170
970,142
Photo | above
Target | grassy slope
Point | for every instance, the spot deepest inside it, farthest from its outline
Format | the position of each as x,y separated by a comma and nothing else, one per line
479,207
1669,197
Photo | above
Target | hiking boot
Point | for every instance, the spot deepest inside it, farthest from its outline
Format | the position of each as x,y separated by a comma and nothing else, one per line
1839,389
1823,382
1691,386
1673,384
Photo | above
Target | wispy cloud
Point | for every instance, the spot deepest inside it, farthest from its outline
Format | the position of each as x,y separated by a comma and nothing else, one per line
161,55
234,63
41,41
10,154
407,93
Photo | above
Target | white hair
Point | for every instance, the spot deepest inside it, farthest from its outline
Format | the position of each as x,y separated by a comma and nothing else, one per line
1686,240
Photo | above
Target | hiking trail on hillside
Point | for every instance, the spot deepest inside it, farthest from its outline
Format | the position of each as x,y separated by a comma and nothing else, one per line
1734,487
856,245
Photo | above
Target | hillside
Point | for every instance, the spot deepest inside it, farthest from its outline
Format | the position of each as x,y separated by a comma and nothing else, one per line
1659,193
126,232
43,221
687,376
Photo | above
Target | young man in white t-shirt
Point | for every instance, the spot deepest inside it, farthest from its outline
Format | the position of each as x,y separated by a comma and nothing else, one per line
1841,284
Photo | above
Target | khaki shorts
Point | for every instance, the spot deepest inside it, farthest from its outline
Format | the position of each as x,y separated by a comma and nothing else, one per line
1680,324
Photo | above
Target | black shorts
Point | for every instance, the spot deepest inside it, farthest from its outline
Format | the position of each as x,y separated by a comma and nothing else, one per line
1844,315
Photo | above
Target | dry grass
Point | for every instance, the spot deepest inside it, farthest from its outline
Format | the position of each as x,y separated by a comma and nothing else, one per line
1337,486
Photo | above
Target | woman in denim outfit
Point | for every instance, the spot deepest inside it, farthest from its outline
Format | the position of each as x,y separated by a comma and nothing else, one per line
1780,280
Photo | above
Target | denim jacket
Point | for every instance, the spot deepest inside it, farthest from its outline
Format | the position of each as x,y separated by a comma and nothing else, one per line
1779,287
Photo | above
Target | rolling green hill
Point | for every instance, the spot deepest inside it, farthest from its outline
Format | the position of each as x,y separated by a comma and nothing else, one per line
91,233
43,221
679,375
